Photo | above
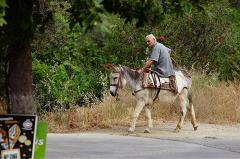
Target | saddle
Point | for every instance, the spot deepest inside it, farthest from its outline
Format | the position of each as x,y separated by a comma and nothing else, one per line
153,80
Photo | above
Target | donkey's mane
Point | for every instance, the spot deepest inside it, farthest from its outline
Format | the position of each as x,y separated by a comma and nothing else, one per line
134,74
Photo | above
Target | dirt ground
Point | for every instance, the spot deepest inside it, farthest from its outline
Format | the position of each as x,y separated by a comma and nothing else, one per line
223,137
165,129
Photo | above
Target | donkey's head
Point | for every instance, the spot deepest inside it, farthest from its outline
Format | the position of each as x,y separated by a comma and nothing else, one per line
117,79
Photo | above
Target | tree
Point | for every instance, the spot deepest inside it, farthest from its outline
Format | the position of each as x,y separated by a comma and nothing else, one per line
19,29
18,35
89,13
22,22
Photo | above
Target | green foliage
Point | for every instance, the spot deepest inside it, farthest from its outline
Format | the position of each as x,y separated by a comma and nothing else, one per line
200,40
229,69
207,41
3,5
125,45
85,13
228,60
91,13
66,67
65,62
144,12
61,85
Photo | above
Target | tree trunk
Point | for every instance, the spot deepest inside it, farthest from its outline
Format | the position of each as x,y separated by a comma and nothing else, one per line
20,79
20,30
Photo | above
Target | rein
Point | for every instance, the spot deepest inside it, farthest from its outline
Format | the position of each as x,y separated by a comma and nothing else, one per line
158,91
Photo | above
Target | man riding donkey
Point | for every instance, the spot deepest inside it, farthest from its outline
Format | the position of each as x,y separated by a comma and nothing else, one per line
160,62
161,73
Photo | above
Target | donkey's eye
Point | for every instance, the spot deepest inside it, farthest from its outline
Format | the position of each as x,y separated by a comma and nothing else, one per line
114,78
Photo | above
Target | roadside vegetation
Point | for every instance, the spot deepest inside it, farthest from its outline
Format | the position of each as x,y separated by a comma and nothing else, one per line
214,103
71,86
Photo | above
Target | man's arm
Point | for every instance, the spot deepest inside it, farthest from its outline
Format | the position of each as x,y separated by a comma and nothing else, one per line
147,65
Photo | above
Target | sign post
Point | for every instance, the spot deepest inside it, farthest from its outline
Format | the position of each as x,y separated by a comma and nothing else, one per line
41,140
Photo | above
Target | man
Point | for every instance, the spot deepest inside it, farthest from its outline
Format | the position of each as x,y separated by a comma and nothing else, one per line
160,61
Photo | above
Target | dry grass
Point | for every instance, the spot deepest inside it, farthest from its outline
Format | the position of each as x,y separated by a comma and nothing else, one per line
102,115
214,103
218,104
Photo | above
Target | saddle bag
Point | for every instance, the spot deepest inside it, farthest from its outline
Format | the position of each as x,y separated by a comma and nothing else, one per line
152,80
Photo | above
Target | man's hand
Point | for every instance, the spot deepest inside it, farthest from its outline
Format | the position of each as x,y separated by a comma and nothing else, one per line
147,66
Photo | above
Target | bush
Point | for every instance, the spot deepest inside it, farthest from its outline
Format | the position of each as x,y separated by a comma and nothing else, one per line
64,67
59,86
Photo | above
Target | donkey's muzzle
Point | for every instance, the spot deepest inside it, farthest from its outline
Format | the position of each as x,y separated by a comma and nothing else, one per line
113,93
113,89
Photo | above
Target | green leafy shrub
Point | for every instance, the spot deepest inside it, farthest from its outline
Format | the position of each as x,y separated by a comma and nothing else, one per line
66,67
59,86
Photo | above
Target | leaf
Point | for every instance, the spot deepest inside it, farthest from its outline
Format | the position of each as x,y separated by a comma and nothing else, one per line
3,5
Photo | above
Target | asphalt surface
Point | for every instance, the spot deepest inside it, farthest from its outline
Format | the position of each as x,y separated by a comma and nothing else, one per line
106,146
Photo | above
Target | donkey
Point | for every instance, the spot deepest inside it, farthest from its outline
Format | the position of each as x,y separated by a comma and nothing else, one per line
122,76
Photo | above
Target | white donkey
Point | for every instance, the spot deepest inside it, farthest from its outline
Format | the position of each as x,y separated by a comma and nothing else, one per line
122,75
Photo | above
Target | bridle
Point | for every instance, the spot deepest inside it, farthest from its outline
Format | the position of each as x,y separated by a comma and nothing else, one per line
119,82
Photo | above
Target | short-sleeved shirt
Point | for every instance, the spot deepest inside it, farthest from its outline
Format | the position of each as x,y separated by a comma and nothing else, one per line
163,63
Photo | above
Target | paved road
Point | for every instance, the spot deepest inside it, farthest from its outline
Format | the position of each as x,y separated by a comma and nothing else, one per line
105,146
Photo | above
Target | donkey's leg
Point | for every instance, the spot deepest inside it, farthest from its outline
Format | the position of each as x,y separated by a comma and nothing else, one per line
192,112
193,117
183,103
136,112
149,120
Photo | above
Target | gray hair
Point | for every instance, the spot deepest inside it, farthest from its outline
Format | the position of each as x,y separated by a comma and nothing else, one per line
151,36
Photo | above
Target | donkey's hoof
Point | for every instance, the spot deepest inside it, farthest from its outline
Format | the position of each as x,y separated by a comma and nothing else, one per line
195,128
130,130
147,130
177,130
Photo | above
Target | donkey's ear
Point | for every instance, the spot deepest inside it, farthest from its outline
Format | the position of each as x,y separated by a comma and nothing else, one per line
110,67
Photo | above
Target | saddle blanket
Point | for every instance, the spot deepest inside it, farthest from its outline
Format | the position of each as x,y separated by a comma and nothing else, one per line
152,80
